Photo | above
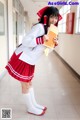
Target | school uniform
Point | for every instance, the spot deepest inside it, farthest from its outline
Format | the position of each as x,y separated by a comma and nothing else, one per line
21,65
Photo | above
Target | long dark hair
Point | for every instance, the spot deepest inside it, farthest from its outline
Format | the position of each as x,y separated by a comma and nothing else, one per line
50,11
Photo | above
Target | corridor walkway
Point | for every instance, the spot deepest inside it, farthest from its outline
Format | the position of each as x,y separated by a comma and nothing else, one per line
55,87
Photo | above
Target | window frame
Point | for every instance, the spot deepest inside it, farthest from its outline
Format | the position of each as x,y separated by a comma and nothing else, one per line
77,31
64,10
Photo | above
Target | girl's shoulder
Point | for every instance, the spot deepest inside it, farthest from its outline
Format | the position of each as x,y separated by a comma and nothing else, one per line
38,25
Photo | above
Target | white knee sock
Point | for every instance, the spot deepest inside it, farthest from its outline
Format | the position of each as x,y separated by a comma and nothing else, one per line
30,108
31,90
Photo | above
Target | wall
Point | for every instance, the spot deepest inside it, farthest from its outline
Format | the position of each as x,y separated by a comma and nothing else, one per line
68,49
69,46
3,36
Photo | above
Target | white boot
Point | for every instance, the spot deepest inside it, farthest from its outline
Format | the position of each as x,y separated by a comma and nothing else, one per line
31,90
30,108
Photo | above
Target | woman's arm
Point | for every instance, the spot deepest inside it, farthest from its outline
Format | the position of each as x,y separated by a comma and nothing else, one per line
33,37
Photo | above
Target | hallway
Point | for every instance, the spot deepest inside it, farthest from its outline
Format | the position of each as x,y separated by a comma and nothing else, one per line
55,87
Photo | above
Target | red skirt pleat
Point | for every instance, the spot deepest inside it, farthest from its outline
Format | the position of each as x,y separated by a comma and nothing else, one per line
20,70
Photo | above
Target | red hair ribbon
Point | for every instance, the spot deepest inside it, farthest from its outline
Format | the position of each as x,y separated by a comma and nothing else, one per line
41,12
45,19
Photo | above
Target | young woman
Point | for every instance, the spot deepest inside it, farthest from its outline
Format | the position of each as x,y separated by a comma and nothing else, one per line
22,63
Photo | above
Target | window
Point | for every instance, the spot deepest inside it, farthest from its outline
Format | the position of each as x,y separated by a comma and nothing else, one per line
63,11
78,20
2,22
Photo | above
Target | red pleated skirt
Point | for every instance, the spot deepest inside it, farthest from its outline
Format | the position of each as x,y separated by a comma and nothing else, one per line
20,70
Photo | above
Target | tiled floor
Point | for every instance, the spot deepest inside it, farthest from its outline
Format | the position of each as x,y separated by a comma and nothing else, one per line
55,87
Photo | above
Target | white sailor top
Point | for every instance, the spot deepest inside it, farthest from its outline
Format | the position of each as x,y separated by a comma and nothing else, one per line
32,45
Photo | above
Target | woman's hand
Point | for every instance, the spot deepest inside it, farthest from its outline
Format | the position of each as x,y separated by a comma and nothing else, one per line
56,41
45,38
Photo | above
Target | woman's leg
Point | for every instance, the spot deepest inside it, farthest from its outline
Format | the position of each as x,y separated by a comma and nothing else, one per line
27,97
25,87
31,90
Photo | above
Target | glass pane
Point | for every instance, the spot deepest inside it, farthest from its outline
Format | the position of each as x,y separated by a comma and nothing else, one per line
79,11
2,30
64,27
60,28
64,18
76,25
13,3
69,6
61,11
65,9
79,26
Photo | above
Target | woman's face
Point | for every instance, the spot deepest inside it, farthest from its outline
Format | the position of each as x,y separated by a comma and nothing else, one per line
53,19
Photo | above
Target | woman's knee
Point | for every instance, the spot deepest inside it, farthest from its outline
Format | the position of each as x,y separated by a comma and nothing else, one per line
25,87
30,83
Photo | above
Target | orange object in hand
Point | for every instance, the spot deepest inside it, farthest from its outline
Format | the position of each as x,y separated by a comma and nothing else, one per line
52,34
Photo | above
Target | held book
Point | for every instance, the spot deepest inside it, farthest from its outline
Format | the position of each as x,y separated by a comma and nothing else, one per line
52,34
